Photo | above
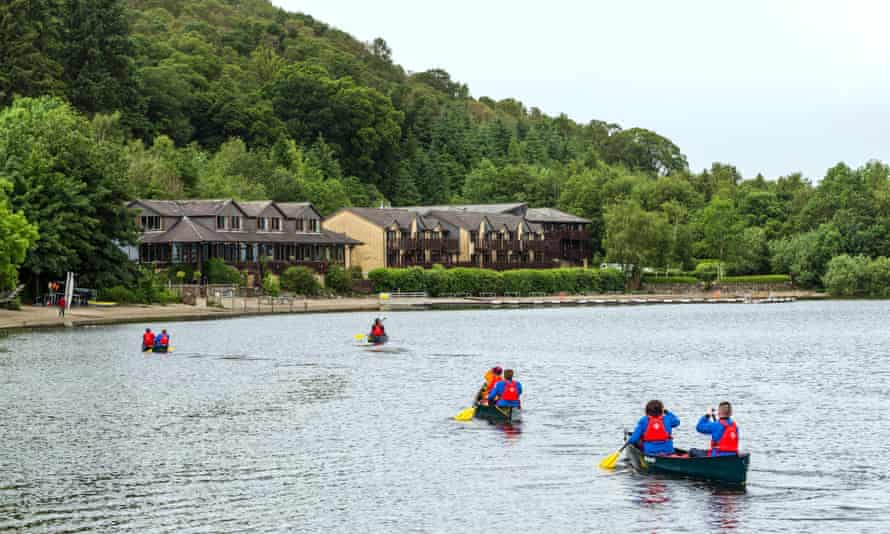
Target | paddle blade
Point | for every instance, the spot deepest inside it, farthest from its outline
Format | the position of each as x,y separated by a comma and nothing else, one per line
360,336
465,415
610,460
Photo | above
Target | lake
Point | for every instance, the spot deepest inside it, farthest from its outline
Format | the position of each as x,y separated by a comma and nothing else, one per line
282,424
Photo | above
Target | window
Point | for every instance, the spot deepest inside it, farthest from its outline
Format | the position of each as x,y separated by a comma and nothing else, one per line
150,223
313,225
276,224
300,225
235,222
391,236
261,224
220,222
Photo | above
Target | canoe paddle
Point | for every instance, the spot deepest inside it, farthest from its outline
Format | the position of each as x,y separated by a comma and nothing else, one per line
466,415
612,459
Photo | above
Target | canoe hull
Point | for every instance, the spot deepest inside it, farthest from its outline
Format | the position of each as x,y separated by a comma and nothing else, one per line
729,470
497,414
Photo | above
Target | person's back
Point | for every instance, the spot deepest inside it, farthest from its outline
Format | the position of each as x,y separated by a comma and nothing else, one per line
162,341
148,339
724,432
507,391
653,433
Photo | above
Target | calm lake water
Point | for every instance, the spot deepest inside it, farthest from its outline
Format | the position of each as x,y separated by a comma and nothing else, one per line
281,424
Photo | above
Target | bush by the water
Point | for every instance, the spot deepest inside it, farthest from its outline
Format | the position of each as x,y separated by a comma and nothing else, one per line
338,279
469,281
652,279
218,272
300,280
271,285
848,276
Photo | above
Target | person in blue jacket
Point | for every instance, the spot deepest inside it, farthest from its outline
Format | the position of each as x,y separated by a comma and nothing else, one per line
723,430
653,431
507,391
162,342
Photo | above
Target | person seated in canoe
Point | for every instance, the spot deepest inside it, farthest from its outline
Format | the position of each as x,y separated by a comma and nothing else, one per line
148,340
724,432
492,377
378,333
162,342
506,392
653,432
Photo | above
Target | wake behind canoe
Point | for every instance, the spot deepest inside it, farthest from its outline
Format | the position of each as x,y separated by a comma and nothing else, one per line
729,470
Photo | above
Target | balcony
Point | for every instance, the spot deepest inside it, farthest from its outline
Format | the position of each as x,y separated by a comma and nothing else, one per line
413,244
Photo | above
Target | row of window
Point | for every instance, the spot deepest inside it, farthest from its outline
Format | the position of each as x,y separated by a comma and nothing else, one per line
153,223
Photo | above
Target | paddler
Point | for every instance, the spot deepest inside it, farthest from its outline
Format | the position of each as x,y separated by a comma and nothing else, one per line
653,431
724,432
492,377
377,331
162,342
148,340
506,391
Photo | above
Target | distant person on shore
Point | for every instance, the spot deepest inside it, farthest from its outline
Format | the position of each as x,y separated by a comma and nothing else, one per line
506,392
62,304
724,432
148,340
653,431
492,377
162,342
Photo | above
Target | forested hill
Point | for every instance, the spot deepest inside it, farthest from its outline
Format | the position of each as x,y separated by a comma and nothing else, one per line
104,100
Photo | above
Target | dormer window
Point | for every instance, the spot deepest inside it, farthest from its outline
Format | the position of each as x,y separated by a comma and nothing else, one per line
150,223
313,225
261,224
235,222
275,224
300,225
220,222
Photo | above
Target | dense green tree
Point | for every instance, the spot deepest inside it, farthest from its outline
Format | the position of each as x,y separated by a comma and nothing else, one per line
635,237
16,237
29,49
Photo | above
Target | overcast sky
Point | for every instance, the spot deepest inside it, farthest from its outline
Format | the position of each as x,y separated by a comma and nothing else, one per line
771,86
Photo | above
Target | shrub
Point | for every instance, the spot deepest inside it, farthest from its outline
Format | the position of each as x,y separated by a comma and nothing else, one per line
650,279
756,279
271,285
168,297
612,280
119,294
300,280
707,270
878,277
846,275
338,279
218,272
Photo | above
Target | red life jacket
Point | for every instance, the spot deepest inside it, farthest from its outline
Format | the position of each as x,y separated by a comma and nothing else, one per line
655,430
148,339
377,330
165,340
729,441
511,391
492,383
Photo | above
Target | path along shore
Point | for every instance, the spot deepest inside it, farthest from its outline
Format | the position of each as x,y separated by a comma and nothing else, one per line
47,317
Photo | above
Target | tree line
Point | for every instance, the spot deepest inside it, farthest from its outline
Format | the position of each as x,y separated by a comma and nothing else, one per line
105,100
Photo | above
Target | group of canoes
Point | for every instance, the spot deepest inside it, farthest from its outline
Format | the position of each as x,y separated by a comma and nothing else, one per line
152,342
650,447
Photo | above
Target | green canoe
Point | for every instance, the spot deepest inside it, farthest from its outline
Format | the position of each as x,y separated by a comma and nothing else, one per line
730,470
498,415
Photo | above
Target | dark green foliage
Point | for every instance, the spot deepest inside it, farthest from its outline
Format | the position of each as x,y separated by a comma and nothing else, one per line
300,280
217,272
469,281
271,285
118,294
756,279
338,279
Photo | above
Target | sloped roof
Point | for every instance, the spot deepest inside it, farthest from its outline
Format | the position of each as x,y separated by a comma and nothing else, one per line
296,210
477,208
186,231
385,217
552,215
191,208
253,208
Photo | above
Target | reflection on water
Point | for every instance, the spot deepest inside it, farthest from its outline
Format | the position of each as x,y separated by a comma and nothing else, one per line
249,427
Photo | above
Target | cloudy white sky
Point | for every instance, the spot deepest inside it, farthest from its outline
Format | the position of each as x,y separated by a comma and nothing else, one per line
771,86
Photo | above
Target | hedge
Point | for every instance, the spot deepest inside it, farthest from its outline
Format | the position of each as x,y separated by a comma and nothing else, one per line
300,280
756,279
470,281
650,279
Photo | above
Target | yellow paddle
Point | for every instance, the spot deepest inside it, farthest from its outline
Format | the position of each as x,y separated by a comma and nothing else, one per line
359,337
612,459
466,415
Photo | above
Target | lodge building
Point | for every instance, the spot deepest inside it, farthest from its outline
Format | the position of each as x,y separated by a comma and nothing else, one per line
493,236
243,234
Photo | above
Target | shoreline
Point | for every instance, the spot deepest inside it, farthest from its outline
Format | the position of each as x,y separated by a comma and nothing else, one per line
39,317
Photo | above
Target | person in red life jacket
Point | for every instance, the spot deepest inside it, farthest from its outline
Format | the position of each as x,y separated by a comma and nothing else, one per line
148,340
378,333
506,391
653,431
162,342
62,304
724,432
492,377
